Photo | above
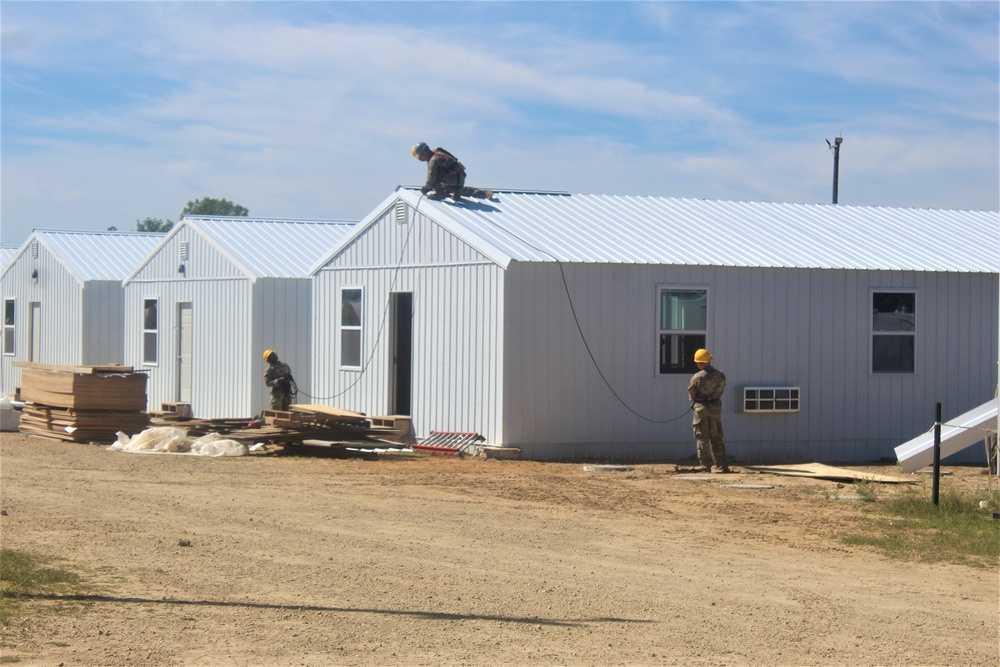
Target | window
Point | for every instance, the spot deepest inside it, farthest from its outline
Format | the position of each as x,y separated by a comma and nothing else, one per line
150,333
683,328
770,399
893,331
8,326
350,328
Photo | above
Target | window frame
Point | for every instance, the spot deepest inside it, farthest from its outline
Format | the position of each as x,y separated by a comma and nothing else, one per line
350,329
688,365
873,333
10,330
151,334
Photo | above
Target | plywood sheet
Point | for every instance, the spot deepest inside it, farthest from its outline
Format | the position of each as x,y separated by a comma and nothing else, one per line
823,471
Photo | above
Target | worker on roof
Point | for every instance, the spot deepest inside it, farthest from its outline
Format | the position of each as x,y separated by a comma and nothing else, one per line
705,391
445,175
278,377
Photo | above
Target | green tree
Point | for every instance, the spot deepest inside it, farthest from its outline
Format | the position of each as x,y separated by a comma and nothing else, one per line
210,206
153,225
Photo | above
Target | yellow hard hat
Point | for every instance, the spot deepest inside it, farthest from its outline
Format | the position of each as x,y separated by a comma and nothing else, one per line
267,354
418,149
702,356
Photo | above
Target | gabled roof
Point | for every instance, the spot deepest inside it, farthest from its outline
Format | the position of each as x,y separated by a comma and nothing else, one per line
93,255
267,248
7,253
545,227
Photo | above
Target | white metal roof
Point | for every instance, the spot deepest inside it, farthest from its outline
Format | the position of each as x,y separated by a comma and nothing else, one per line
95,255
7,253
540,227
268,248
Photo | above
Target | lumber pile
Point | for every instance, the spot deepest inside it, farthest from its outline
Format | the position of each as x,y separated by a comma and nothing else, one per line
287,427
82,403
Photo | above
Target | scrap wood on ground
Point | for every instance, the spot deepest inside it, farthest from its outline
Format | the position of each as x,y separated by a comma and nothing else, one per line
822,471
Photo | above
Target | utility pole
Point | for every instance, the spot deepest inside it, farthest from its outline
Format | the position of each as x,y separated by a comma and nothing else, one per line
835,147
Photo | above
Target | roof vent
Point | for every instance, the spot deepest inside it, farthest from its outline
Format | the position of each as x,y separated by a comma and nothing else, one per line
400,213
184,251
34,250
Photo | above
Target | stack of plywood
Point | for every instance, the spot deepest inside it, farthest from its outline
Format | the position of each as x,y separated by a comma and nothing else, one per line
82,403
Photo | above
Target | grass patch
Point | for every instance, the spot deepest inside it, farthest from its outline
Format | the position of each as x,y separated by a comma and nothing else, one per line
23,574
908,526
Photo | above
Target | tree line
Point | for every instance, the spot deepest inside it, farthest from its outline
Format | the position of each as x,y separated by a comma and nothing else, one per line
203,206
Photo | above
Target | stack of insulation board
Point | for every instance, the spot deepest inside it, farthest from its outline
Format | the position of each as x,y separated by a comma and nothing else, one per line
82,403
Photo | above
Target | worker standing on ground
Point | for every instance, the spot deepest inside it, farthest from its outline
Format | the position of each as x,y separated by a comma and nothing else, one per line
705,391
445,175
278,377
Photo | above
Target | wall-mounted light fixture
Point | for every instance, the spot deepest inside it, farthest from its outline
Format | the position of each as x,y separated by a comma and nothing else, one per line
34,275
181,269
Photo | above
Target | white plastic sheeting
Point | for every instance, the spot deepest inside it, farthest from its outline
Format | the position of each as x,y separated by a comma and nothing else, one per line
10,419
170,440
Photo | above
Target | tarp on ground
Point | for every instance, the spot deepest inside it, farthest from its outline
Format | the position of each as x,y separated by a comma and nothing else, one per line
170,440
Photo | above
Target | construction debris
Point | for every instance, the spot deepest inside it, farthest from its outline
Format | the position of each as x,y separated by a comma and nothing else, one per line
294,426
449,443
82,403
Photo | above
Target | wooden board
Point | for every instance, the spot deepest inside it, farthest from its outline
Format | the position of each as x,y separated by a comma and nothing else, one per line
105,368
118,391
823,471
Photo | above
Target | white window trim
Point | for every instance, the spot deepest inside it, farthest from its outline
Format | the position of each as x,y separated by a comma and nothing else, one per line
660,287
341,328
917,309
142,314
12,327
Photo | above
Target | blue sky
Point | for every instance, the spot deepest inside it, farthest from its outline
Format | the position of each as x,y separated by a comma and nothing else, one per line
117,111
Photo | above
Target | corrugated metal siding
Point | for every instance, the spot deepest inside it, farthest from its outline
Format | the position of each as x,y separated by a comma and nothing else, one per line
653,230
457,332
236,313
102,327
221,319
806,328
61,299
282,322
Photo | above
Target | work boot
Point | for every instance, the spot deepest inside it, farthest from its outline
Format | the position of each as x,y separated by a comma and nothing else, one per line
487,194
724,470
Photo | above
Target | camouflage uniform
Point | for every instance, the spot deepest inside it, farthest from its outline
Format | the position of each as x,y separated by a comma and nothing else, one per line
705,391
445,175
278,377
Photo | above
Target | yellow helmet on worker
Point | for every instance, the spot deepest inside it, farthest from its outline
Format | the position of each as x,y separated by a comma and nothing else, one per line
703,356
418,149
267,354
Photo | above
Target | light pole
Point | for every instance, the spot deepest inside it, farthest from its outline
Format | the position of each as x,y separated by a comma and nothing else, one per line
835,147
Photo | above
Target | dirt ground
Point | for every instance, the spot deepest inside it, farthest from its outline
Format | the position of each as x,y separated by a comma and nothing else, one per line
295,560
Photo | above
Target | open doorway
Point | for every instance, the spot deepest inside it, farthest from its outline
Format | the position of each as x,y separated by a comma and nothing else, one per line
401,349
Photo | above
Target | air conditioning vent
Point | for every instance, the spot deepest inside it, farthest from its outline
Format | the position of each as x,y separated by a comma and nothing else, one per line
770,399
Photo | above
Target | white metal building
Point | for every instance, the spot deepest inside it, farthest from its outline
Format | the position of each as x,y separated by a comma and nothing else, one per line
564,324
63,301
216,292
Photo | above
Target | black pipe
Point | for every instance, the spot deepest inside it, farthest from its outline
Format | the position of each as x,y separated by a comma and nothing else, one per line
937,455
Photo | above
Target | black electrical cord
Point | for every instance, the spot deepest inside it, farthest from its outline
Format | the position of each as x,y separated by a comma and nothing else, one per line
579,328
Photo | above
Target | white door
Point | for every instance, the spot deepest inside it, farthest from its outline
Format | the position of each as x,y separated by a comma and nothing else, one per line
184,336
34,331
